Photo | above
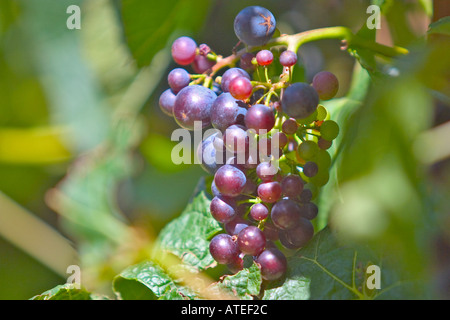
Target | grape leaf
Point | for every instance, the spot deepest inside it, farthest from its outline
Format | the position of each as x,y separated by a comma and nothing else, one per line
148,281
245,284
148,25
64,292
188,235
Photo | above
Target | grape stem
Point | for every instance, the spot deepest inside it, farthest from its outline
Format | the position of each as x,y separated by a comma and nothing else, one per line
295,41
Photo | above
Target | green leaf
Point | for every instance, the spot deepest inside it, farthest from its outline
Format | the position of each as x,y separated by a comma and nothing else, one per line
188,235
148,281
328,269
149,25
442,26
64,292
245,284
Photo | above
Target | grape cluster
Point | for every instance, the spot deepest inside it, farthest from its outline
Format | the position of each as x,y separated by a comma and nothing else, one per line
263,196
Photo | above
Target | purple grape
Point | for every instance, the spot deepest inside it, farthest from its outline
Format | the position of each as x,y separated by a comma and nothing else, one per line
240,88
309,211
310,169
230,74
266,171
202,64
210,159
298,236
299,100
230,181
326,85
223,209
273,264
178,78
226,111
193,103
285,214
292,186
259,212
270,231
246,62
254,25
184,50
280,138
236,139
264,57
260,117
269,192
223,249
167,102
237,264
306,196
236,225
288,58
251,241
290,126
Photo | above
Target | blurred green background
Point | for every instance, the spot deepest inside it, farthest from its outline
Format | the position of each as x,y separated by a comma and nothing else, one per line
85,170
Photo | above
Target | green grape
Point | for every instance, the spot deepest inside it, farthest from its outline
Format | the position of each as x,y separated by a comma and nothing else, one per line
323,160
321,178
307,150
322,113
329,130
308,120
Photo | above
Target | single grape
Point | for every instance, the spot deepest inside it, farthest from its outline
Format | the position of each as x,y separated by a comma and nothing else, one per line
235,226
326,85
230,181
209,158
225,111
184,50
292,186
289,126
251,241
230,74
285,214
324,144
264,57
307,150
193,103
223,209
288,58
266,171
273,264
299,100
246,62
310,169
260,118
329,130
269,192
236,265
298,236
259,212
254,25
178,78
223,248
236,139
309,211
280,138
167,102
306,195
240,88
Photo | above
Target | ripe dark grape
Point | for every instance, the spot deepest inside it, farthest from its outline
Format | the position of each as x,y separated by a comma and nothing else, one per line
309,211
270,231
266,171
236,139
223,249
246,62
250,187
280,138
306,195
326,85
223,209
230,74
240,88
310,169
225,111
273,264
230,181
260,118
288,58
178,78
251,241
289,126
184,50
264,57
202,64
329,130
236,225
236,265
285,214
259,212
254,25
193,103
292,186
298,236
167,102
299,100
269,192
210,159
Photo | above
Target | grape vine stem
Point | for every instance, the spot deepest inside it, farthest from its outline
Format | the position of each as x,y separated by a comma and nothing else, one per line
295,41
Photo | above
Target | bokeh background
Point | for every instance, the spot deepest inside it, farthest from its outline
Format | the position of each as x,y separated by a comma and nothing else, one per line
85,170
